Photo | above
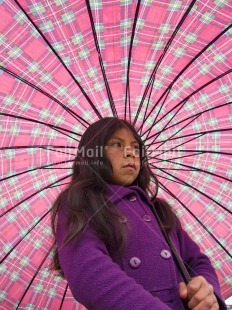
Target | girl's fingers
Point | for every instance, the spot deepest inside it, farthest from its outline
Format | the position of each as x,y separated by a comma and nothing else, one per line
205,293
183,290
206,304
195,286
199,293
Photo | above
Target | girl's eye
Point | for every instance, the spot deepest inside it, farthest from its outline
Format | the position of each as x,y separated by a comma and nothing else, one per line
116,144
136,150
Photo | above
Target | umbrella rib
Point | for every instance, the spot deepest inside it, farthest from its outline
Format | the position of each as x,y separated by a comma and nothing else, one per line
192,168
160,108
195,188
182,71
56,128
61,152
61,61
32,195
202,133
152,77
175,133
71,112
199,152
194,138
36,146
193,117
42,217
127,95
44,147
196,218
183,102
185,156
65,168
202,151
32,279
196,153
166,178
34,169
154,122
63,298
20,240
177,169
51,186
113,108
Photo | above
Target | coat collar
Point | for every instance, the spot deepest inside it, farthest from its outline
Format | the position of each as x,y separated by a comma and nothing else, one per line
118,192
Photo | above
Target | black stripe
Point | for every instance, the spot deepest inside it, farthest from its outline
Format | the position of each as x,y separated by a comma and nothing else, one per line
18,147
177,77
195,188
71,112
192,168
152,77
193,117
113,108
64,295
202,133
196,218
129,62
56,128
33,278
34,169
21,239
184,101
195,153
60,59
32,195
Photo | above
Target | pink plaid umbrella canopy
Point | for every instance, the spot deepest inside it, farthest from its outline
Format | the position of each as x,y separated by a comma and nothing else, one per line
165,66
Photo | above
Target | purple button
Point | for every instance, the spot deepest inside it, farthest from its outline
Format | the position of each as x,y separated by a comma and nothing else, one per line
166,254
132,198
123,219
135,262
146,218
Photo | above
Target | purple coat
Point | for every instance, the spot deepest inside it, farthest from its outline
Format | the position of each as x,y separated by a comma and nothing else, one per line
146,276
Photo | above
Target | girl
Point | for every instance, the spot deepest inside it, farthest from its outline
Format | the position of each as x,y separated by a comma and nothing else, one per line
109,245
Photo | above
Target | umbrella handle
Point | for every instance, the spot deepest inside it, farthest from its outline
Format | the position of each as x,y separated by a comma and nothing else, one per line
178,260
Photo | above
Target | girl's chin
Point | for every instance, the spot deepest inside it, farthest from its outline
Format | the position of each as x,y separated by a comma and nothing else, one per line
125,182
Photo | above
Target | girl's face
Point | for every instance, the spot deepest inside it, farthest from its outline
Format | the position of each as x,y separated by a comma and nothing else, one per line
122,150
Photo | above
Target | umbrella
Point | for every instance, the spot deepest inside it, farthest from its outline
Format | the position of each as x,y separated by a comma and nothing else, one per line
165,66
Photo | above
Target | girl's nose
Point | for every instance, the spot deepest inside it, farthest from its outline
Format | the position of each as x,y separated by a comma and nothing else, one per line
128,151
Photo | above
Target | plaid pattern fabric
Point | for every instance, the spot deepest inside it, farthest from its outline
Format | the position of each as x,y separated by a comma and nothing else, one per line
185,117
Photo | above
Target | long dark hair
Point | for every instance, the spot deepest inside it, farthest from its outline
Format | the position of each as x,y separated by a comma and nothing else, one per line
85,197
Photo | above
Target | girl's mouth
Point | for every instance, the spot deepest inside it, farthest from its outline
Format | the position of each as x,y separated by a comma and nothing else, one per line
132,166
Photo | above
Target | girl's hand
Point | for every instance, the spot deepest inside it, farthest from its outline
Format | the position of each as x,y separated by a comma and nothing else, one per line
199,294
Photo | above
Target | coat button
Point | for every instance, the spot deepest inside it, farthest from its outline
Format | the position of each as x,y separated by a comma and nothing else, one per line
165,254
135,262
146,218
123,219
132,198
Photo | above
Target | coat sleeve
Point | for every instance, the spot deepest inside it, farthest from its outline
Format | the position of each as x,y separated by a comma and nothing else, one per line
95,280
198,264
